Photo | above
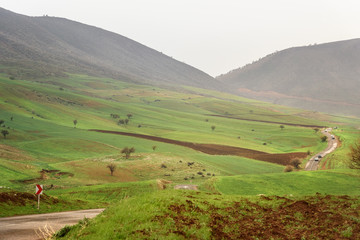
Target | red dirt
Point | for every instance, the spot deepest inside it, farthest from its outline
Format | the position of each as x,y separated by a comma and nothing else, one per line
216,149
316,217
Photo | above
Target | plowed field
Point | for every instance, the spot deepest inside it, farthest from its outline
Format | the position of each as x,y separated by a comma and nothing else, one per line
216,149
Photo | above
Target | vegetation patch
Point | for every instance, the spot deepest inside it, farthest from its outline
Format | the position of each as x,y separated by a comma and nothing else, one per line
182,214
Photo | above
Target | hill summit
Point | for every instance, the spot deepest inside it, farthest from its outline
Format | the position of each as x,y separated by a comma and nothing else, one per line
34,47
324,77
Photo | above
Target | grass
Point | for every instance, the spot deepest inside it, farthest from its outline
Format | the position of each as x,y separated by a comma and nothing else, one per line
295,183
43,136
197,215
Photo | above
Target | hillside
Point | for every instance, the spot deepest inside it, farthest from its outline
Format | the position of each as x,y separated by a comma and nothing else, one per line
36,47
324,77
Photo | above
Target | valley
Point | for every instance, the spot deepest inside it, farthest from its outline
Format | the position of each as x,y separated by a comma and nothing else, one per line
104,122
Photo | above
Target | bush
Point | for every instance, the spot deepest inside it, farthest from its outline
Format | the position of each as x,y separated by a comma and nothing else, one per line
354,156
163,165
288,168
295,163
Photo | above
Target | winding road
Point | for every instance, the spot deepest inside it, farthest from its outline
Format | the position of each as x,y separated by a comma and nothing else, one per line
25,227
313,165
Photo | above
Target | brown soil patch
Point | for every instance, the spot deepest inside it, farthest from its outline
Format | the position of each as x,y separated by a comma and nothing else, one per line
23,198
317,217
263,121
216,149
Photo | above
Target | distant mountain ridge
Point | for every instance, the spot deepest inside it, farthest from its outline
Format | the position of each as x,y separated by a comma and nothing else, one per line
41,46
324,77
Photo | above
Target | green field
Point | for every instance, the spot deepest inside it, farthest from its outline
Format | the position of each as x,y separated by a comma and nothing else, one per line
44,146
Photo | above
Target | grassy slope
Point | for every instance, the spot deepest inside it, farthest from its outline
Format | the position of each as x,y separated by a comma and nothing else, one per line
43,133
195,215
42,136
295,183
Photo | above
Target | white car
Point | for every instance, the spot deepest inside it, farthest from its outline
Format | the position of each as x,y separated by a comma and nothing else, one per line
316,159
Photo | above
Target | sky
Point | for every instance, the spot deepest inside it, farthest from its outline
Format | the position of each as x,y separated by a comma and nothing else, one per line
215,36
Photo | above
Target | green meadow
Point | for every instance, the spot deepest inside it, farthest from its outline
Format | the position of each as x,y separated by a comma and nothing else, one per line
44,146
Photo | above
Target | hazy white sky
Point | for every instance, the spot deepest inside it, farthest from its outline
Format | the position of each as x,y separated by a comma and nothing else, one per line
215,36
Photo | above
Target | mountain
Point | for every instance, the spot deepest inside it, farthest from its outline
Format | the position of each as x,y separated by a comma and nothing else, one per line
34,47
324,77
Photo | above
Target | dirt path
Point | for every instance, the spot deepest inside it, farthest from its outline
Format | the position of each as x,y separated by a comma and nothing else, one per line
332,145
24,227
216,149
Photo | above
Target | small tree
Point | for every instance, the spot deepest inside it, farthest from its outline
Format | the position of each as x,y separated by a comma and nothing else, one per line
288,168
354,156
127,151
121,121
282,127
126,121
213,127
129,115
112,168
1,122
154,148
323,138
316,130
4,133
295,163
75,122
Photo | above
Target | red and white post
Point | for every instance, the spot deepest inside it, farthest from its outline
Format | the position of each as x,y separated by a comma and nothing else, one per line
38,192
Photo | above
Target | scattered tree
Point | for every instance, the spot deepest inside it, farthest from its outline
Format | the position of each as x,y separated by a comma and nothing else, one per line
4,133
213,127
295,163
154,148
129,115
75,122
121,121
316,130
1,122
288,168
12,118
308,152
127,151
114,115
163,165
206,120
323,138
354,156
126,121
112,168
282,127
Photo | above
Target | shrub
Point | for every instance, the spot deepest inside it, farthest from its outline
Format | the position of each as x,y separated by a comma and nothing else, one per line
163,165
354,156
295,163
288,168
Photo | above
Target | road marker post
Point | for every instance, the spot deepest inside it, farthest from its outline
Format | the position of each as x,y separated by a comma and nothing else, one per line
38,192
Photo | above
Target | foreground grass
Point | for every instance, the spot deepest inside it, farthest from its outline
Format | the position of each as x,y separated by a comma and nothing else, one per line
174,214
58,200
295,183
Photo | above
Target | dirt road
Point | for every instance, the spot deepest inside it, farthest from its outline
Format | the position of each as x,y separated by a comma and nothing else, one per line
24,227
332,144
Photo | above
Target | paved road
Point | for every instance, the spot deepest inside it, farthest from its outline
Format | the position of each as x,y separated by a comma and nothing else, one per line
23,227
332,144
